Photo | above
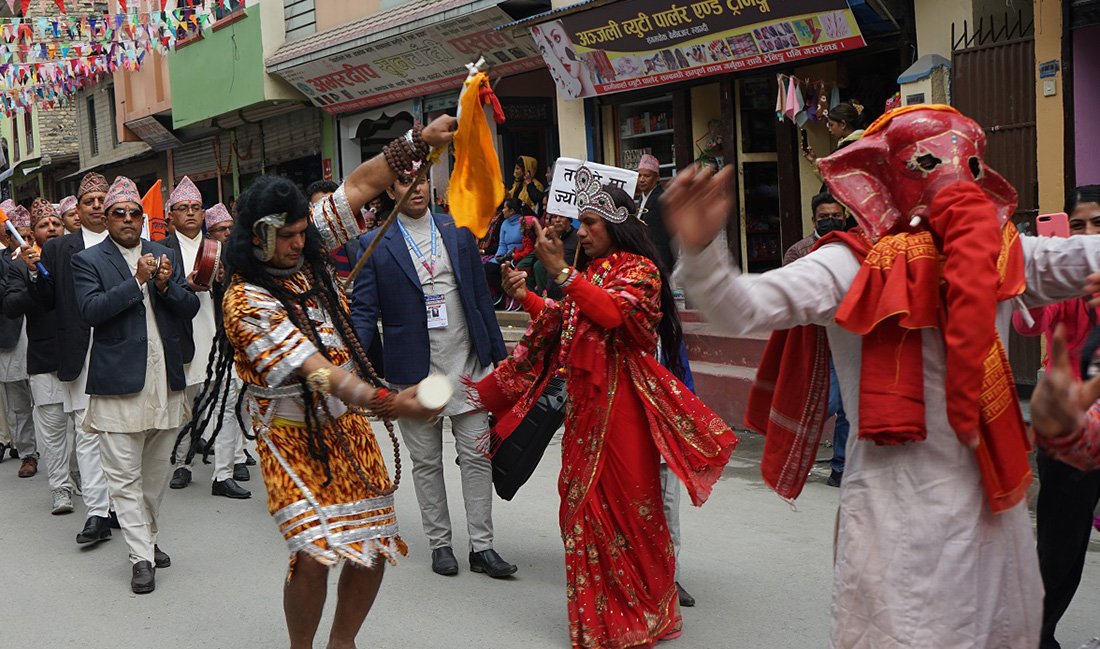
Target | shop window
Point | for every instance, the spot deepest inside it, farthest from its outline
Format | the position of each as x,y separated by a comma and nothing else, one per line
93,126
16,152
758,115
645,126
28,131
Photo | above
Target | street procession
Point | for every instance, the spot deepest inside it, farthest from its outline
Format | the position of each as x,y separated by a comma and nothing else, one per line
540,323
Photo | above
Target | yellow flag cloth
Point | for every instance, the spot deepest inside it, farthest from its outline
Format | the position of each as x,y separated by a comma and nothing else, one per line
476,187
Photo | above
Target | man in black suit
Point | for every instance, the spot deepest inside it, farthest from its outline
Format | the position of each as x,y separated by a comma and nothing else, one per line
55,434
134,294
15,391
649,207
73,334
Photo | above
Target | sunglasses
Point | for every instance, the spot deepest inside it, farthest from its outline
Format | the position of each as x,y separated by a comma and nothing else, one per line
122,212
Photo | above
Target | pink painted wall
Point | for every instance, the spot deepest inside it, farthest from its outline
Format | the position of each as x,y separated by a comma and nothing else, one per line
1086,103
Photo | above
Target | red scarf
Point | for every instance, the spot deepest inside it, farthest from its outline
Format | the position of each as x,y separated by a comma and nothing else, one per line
905,284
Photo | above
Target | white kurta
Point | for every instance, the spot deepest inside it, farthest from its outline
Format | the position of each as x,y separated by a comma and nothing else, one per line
921,561
156,407
203,323
76,397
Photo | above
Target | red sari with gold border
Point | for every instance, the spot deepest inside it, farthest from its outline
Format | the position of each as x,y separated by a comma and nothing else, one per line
624,413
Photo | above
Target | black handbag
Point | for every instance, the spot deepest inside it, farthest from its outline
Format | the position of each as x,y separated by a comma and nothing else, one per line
521,452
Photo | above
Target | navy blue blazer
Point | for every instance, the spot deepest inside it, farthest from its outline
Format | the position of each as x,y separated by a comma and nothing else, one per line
56,293
110,301
388,288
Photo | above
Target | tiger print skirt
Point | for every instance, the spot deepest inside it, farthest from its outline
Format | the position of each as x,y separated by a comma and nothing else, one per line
330,519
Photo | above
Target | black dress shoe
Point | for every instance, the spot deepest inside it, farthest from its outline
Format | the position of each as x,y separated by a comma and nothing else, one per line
249,460
240,472
230,489
181,477
444,561
489,562
835,477
112,520
685,597
144,578
96,529
160,558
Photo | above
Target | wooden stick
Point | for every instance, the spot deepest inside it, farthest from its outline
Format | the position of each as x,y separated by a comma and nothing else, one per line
421,174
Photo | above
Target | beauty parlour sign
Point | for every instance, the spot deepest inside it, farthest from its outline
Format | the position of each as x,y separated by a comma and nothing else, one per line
417,63
641,43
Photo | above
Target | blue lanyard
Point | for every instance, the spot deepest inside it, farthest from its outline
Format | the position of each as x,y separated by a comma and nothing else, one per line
428,265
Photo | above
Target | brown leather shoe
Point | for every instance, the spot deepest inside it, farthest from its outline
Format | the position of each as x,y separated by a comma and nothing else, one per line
29,467
144,579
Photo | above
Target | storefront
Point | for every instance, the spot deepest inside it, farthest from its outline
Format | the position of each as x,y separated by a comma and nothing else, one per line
388,71
709,93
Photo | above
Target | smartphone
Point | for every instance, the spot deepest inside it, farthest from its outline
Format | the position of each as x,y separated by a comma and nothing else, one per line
1052,225
805,140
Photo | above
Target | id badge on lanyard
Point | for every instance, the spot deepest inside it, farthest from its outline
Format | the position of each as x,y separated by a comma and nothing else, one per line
435,304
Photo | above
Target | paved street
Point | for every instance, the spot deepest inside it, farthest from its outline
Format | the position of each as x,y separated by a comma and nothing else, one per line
759,570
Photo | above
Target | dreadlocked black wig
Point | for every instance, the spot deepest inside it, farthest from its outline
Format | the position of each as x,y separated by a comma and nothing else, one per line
274,196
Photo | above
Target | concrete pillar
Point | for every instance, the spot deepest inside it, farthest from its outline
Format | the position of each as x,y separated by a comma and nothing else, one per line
1049,108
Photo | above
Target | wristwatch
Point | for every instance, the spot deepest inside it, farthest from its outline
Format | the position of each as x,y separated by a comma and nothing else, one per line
563,276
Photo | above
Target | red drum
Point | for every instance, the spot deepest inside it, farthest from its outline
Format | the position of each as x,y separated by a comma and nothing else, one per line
208,262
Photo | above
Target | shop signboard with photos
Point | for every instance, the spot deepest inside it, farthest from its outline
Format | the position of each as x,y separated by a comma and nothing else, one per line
414,64
642,43
563,188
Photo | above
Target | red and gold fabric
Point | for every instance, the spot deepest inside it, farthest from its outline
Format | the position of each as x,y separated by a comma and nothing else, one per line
624,413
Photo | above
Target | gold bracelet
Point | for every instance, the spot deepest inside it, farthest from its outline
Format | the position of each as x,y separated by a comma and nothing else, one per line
319,380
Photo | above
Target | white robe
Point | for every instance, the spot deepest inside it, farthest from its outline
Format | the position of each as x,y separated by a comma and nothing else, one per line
921,560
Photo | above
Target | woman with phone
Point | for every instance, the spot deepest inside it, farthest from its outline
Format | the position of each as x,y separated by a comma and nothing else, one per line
1067,496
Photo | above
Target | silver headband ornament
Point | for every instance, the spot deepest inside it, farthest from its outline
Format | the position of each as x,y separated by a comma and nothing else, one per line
592,197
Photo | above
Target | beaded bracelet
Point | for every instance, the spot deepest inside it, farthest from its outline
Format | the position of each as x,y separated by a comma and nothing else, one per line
383,404
406,150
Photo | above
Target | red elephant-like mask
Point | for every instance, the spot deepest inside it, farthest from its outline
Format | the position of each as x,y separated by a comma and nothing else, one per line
892,173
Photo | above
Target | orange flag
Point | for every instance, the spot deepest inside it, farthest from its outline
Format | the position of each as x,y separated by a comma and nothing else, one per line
476,187
153,206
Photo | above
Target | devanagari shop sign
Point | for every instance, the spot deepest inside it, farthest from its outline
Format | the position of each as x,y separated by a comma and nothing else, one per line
414,64
642,43
563,187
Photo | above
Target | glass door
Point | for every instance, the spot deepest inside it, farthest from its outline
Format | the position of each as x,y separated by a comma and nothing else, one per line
758,174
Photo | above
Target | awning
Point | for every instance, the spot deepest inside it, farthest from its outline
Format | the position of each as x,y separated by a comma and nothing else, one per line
603,49
153,132
412,50
1084,13
118,158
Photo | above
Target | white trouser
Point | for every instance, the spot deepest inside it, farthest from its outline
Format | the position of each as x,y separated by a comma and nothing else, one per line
228,445
425,443
670,496
93,483
54,428
137,467
19,406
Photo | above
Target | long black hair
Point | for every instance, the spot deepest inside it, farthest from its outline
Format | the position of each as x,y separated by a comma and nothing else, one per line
265,196
632,235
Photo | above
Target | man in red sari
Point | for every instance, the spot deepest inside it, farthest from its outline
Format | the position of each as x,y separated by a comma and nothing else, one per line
625,412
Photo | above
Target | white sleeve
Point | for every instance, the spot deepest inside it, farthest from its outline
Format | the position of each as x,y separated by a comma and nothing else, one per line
807,291
1056,267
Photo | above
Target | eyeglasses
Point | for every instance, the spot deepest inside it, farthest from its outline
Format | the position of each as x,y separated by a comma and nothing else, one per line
180,209
220,229
122,212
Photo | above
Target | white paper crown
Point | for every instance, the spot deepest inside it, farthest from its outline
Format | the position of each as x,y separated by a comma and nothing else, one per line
591,196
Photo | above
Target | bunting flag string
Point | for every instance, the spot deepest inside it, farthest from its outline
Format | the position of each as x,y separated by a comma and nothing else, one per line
46,60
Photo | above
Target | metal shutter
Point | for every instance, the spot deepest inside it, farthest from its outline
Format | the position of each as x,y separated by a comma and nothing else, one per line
290,136
249,148
195,159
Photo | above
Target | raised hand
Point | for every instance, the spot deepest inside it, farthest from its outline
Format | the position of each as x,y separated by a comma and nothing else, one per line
1060,401
29,256
513,282
697,204
146,266
549,249
164,273
440,131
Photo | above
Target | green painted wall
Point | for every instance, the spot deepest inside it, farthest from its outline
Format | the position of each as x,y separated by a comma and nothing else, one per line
220,73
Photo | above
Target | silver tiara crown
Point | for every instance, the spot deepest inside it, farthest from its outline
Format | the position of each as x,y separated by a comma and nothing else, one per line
591,196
